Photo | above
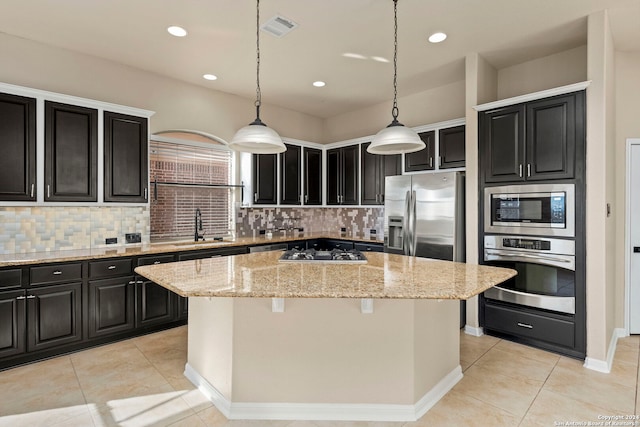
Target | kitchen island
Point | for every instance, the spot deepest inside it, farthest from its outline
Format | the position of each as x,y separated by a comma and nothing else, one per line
324,341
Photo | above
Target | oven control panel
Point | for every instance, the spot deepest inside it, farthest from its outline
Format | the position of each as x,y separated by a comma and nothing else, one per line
534,244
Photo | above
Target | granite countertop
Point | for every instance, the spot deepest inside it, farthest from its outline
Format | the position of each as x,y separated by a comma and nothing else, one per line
261,275
18,259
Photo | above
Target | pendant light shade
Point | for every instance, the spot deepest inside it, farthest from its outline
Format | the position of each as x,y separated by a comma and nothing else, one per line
256,137
395,138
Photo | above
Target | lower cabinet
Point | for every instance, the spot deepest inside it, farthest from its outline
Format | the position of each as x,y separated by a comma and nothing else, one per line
154,304
12,323
111,306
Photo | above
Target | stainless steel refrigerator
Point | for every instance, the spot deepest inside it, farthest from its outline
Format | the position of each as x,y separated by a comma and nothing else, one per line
424,217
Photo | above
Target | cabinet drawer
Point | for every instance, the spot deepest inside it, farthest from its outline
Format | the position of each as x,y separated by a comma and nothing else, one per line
529,325
110,268
10,278
368,247
56,273
152,260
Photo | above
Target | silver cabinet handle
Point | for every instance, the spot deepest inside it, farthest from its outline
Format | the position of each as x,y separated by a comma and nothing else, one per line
140,282
525,325
306,198
156,262
528,169
111,267
21,297
255,197
520,170
430,162
145,193
48,191
132,282
439,160
57,273
31,297
32,189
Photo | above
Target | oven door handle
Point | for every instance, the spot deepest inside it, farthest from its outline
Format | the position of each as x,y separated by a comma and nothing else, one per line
568,262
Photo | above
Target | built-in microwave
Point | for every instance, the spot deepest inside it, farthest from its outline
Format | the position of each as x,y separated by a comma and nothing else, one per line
536,209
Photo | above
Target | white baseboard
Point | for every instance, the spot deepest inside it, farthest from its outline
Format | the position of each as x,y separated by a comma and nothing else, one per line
606,365
321,411
472,330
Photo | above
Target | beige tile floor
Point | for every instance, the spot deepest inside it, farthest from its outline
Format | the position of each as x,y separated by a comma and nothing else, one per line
139,382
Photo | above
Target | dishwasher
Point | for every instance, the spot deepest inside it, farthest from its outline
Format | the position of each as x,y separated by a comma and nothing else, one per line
266,248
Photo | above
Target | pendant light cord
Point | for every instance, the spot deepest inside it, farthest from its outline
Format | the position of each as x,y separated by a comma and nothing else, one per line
258,93
394,110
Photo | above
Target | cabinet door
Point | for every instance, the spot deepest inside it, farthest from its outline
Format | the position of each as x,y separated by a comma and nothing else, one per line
502,141
390,165
334,181
312,176
370,176
18,141
551,137
125,158
12,323
265,179
54,316
422,160
111,306
350,175
155,304
451,147
290,164
71,153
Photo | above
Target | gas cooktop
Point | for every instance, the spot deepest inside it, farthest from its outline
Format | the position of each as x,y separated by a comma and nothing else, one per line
336,255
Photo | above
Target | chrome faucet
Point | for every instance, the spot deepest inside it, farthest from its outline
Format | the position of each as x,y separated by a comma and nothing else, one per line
199,233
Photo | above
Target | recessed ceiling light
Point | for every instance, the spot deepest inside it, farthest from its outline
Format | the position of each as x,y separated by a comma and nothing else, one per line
437,37
319,83
177,31
210,77
353,55
379,59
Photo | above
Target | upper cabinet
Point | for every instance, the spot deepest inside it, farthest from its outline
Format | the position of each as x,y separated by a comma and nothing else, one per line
422,160
71,153
125,158
374,170
312,176
265,179
451,147
342,176
290,176
18,140
532,141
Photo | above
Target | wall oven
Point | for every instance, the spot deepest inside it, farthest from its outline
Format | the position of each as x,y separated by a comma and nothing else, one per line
536,209
546,271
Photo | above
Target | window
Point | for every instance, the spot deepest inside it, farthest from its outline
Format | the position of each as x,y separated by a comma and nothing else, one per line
186,176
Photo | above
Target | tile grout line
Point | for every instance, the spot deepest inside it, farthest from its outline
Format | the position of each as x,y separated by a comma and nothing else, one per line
84,396
538,393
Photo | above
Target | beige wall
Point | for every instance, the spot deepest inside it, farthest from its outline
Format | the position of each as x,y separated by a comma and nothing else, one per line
627,99
177,105
431,106
551,71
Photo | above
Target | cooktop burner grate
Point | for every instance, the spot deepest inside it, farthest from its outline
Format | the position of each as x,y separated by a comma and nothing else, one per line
337,255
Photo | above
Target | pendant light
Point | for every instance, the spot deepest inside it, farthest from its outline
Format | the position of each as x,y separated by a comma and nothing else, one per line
395,138
256,137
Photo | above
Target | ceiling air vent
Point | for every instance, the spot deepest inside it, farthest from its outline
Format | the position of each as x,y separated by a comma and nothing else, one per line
278,26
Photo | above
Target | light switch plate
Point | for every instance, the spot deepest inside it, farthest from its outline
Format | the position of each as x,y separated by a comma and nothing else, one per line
133,237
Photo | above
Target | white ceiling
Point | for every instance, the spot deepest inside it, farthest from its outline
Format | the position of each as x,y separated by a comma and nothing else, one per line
221,41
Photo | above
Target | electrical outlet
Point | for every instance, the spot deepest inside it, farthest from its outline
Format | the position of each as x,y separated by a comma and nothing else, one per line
133,237
111,240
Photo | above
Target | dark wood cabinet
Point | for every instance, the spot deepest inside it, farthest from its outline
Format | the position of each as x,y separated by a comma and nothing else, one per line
18,141
422,160
265,177
54,316
71,153
342,176
451,144
312,176
12,323
375,168
154,304
290,176
111,306
125,158
532,141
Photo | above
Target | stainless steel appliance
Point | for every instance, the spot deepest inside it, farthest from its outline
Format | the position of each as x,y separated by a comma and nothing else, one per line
334,255
546,271
424,215
536,209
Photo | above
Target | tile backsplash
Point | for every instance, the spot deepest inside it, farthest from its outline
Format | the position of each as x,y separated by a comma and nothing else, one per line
52,228
355,220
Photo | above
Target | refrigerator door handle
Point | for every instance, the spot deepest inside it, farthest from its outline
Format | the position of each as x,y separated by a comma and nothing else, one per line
406,236
414,237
